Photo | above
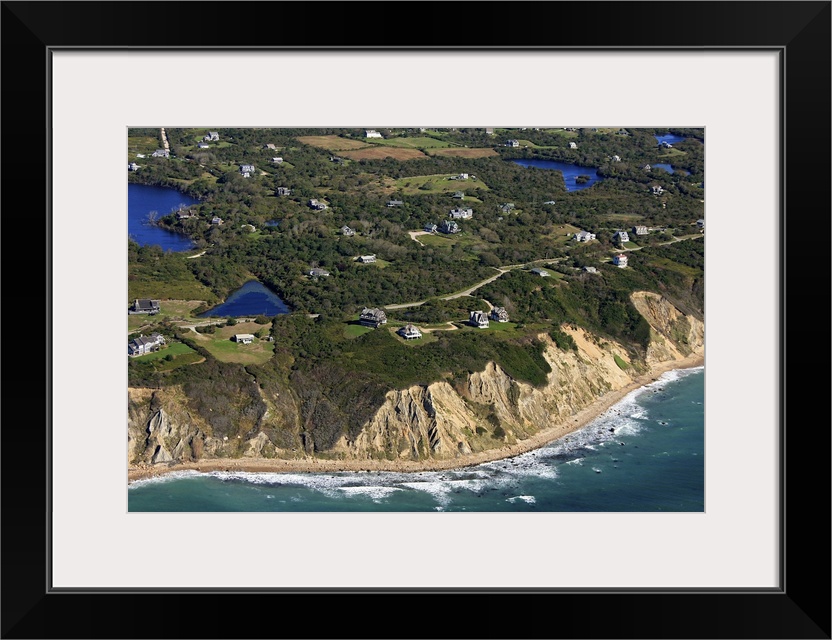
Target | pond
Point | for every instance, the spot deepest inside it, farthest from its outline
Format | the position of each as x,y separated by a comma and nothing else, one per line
144,201
252,299
670,138
669,168
570,172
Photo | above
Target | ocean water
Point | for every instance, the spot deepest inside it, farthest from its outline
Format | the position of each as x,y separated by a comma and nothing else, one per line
645,454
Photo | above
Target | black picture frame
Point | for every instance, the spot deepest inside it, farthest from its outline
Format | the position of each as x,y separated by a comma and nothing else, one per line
800,608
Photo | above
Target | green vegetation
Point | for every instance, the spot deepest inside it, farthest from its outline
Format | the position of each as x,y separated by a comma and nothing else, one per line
337,371
622,364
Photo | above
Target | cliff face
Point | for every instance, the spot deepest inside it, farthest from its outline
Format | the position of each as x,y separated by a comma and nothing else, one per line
438,421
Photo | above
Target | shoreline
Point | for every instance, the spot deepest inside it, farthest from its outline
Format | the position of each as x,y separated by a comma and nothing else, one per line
315,465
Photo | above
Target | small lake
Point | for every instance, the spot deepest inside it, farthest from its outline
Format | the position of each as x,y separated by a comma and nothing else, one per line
142,199
570,172
669,138
252,299
669,168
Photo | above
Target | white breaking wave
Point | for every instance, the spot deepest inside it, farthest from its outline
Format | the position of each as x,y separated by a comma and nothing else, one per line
526,499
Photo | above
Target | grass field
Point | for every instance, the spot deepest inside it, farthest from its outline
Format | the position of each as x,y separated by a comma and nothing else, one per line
465,152
224,349
671,153
414,185
332,143
174,310
355,330
144,282
142,144
422,142
182,354
438,240
378,152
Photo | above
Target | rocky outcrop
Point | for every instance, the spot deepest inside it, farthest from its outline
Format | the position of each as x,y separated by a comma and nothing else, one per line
438,421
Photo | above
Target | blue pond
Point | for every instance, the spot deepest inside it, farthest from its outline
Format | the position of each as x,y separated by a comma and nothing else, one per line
141,201
252,299
669,168
669,138
570,172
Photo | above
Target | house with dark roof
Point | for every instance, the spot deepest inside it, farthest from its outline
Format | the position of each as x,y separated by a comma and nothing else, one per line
212,136
430,227
145,344
316,204
449,226
144,306
347,231
459,195
640,230
372,317
460,213
478,319
499,314
540,272
584,236
512,143
620,237
161,153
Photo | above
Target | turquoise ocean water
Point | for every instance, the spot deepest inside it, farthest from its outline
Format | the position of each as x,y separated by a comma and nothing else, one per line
645,454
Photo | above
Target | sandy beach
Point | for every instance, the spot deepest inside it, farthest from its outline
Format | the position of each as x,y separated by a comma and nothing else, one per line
264,465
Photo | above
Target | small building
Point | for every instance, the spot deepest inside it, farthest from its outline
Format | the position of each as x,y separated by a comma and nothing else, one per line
620,237
460,176
550,202
269,145
316,204
461,214
145,344
372,317
243,338
184,215
620,260
584,236
367,259
449,226
640,230
573,145
318,273
277,160
161,153
372,133
665,144
248,227
507,207
512,143
489,130
616,158
478,319
395,203
430,227
647,167
247,169
203,145
144,306
132,167
701,225
623,132
657,190
409,332
540,272
347,231
459,195
212,136
499,314
283,191
590,269
216,220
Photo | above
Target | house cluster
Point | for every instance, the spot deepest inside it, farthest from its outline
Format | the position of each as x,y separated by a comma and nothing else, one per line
461,214
317,205
367,259
372,133
212,136
144,306
347,231
409,332
372,317
145,344
247,170
161,153
584,236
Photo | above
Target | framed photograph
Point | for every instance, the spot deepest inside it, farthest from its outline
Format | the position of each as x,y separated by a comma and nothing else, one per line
754,77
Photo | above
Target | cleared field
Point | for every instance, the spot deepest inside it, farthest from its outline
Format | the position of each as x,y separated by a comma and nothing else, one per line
224,349
438,240
142,144
413,143
355,330
332,143
465,153
414,185
173,310
379,153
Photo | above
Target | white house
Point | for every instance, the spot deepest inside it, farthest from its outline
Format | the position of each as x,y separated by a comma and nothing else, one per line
499,314
161,153
372,133
573,145
512,143
216,220
315,204
409,332
640,230
616,158
277,160
247,169
460,213
203,145
657,190
590,269
318,273
620,237
212,136
347,231
540,272
244,338
620,260
283,191
478,319
584,236
367,259
145,344
133,166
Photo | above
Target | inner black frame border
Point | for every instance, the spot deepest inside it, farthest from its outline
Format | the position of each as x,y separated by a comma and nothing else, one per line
799,608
